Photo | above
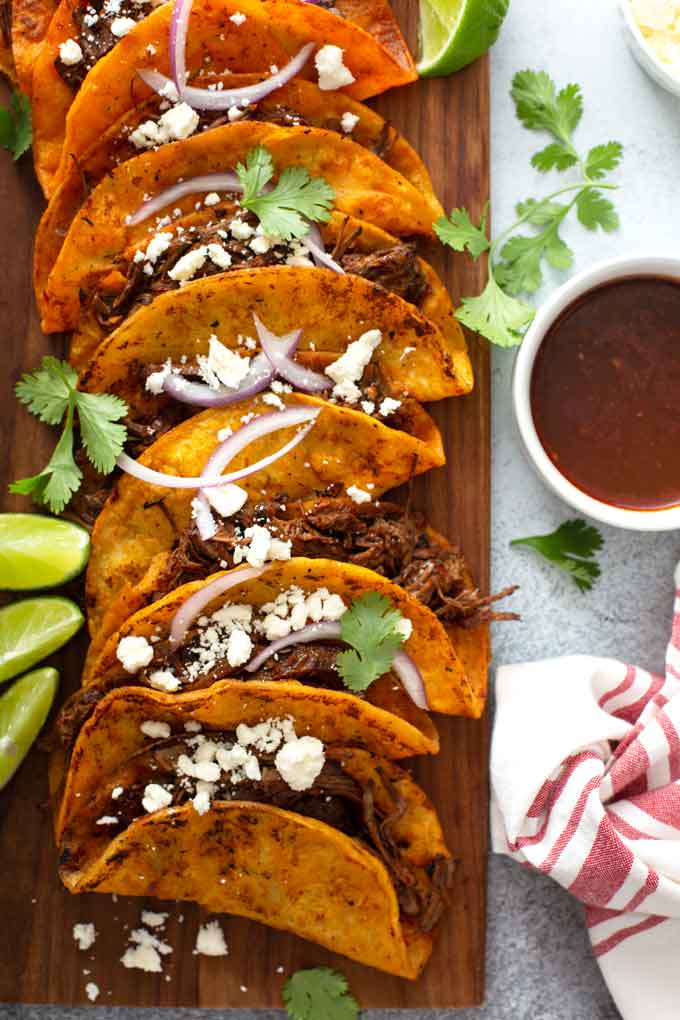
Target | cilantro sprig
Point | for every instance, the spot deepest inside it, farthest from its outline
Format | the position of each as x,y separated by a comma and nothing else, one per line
16,129
571,548
516,259
319,994
50,393
371,628
285,208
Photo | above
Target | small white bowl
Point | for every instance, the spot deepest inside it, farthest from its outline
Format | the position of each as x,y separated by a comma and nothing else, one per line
642,52
666,519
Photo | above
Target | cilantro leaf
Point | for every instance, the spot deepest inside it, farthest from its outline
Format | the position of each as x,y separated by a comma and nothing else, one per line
257,172
594,210
319,994
496,316
103,440
371,627
602,158
47,391
571,548
539,214
16,130
50,393
521,267
460,233
541,108
296,197
553,157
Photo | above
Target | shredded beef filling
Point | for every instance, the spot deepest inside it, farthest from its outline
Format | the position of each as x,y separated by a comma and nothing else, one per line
95,40
335,798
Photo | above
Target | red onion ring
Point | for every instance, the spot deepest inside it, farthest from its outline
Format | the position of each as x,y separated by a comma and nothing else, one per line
261,426
198,394
402,663
313,242
302,378
206,182
219,99
194,605
179,28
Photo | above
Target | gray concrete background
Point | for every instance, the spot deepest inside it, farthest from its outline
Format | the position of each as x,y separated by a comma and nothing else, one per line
539,965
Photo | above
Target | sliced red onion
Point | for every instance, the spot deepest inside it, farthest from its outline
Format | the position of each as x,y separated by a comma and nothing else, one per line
402,664
179,29
222,99
199,394
411,679
196,603
302,378
206,182
261,426
313,242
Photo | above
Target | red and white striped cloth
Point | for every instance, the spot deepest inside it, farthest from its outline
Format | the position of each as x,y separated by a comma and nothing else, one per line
585,775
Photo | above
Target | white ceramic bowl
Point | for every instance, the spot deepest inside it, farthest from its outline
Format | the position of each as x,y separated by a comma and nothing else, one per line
644,55
667,519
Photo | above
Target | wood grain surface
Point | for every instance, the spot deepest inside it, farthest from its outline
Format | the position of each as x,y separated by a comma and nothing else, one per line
447,120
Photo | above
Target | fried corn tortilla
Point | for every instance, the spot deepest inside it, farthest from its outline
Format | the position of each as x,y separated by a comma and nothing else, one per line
380,535
372,885
447,687
274,31
364,187
411,360
139,521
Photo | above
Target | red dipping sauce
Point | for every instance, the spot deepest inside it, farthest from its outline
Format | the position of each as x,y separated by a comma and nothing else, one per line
605,393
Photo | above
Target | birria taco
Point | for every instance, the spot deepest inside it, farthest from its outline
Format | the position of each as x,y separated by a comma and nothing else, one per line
219,796
248,37
145,514
288,621
162,189
328,313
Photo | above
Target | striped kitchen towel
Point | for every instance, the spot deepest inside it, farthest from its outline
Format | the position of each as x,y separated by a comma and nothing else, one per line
585,776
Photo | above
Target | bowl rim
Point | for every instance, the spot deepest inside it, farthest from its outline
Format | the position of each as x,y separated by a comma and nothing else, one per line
658,70
665,519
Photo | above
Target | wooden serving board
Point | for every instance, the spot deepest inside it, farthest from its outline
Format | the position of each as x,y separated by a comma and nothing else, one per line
447,120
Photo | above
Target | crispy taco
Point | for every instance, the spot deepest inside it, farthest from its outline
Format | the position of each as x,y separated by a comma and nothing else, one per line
329,312
284,780
386,538
283,622
344,446
156,189
80,38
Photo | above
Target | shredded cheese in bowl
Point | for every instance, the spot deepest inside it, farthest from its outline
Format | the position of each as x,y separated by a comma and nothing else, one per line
659,23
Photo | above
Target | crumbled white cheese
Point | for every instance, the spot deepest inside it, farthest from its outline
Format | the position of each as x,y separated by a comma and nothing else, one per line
121,26
177,123
349,368
107,820
192,726
241,230
273,400
222,366
210,938
134,653
117,792
70,52
145,952
388,406
266,736
299,762
227,499
238,18
239,648
206,770
153,920
155,730
84,935
348,122
155,798
235,113
367,406
263,547
92,991
188,265
260,244
164,680
404,627
300,255
358,495
333,74
156,380
218,255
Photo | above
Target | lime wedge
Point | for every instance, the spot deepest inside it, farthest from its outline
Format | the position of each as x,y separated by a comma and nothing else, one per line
23,710
34,628
40,552
453,33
